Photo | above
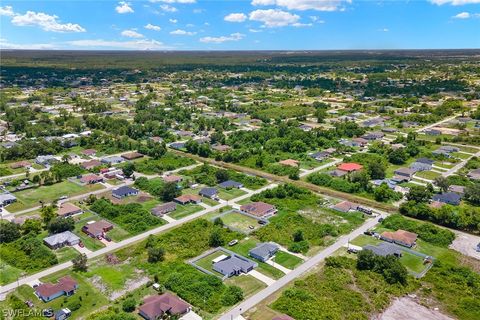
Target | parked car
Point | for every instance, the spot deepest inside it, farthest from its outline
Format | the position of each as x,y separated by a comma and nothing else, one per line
233,242
251,227
478,247
262,222
107,238
63,198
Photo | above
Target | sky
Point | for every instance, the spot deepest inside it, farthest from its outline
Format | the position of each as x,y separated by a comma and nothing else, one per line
239,25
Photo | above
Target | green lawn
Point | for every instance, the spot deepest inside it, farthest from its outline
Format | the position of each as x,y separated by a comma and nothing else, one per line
461,155
229,194
8,273
244,246
206,262
114,277
287,260
184,210
66,254
118,234
247,283
412,262
240,222
430,175
30,198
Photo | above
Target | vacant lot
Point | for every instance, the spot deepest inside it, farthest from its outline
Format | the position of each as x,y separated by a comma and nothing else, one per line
30,198
247,283
407,308
240,222
184,211
287,260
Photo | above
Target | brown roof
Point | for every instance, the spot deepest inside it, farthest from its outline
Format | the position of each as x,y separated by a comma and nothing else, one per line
400,235
89,152
97,228
20,164
345,206
65,284
90,178
132,155
164,208
257,208
188,198
156,306
90,164
172,178
283,317
221,147
289,162
66,209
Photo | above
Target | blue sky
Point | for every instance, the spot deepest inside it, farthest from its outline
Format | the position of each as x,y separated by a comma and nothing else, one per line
239,25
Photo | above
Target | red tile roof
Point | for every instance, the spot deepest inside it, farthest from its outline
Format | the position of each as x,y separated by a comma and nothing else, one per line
172,178
289,162
66,209
89,178
258,208
401,236
350,166
188,198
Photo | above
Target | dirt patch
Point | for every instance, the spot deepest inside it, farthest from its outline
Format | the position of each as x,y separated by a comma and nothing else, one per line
466,244
408,308
130,285
144,198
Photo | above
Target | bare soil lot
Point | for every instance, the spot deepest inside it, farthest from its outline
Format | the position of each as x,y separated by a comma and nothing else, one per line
408,308
466,244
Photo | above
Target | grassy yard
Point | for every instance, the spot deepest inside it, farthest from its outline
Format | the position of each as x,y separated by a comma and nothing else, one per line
66,254
244,246
183,211
118,234
240,222
287,260
247,283
114,277
8,273
30,198
206,262
430,175
461,155
229,194
412,262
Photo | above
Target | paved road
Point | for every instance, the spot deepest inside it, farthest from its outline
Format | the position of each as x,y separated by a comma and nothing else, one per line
306,266
436,123
331,163
459,165
126,242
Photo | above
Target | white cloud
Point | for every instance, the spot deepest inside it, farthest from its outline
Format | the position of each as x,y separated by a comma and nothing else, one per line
319,5
454,2
45,21
232,37
123,7
466,15
131,34
7,11
167,8
180,32
174,1
300,25
152,27
4,44
273,18
254,30
173,20
143,44
235,17
316,19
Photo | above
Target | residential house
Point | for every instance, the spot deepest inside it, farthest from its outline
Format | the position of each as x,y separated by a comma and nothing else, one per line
290,163
457,189
259,209
132,155
177,145
62,239
172,178
234,265
68,209
230,184
124,191
188,198
403,174
88,165
345,206
264,251
91,179
432,132
350,167
20,164
337,173
65,286
374,135
113,160
163,208
359,142
45,161
221,147
7,198
474,174
401,237
305,127
422,164
384,249
211,193
97,229
163,306
89,152
448,198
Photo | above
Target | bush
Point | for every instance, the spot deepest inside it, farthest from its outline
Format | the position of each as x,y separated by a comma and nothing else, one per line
129,305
